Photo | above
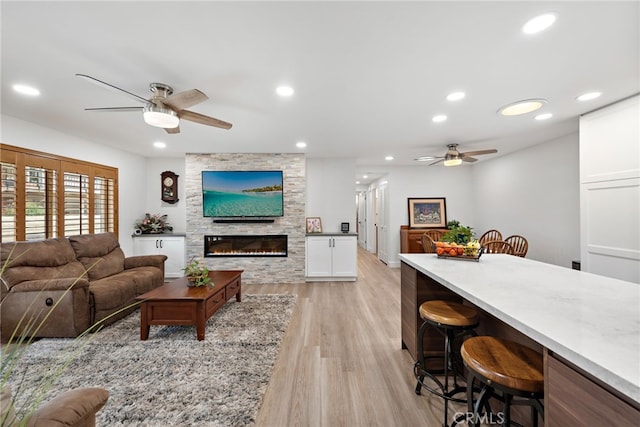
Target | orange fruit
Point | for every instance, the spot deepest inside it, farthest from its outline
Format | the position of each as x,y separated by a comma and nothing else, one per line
453,252
460,250
439,250
439,244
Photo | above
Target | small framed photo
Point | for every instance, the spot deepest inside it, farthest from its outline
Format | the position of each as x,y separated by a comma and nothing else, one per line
314,224
427,213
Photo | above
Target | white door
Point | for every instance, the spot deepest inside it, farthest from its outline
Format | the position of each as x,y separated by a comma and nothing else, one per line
383,251
362,219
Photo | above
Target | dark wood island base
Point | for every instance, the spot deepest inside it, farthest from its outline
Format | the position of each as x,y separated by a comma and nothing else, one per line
175,303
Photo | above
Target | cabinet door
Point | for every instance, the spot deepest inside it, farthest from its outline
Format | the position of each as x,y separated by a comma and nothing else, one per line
345,256
173,248
146,245
318,256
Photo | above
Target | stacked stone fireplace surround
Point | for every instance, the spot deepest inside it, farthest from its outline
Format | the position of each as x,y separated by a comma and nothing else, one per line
257,270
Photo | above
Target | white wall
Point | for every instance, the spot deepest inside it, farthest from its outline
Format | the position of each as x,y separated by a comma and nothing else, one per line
331,192
176,213
132,170
534,193
422,181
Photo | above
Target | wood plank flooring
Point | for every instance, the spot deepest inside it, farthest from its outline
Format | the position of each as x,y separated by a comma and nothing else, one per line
341,362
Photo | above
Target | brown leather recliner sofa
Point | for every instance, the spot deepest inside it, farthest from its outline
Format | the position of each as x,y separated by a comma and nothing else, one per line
85,279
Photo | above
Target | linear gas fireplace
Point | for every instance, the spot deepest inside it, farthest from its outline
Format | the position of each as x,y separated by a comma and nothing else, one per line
246,246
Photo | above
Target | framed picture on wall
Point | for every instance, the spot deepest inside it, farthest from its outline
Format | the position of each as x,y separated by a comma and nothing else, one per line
427,213
314,224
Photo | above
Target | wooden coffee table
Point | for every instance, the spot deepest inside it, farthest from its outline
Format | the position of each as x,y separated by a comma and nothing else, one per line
175,303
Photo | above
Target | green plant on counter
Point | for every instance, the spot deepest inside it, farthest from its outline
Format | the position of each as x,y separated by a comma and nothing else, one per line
457,233
197,274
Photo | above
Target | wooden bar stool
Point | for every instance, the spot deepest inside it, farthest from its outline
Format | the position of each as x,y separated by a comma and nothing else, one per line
453,320
508,371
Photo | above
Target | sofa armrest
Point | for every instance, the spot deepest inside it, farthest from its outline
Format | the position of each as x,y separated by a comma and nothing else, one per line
145,261
77,407
51,285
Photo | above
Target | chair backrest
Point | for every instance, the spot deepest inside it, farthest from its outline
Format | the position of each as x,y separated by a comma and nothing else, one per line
498,247
519,243
490,235
427,244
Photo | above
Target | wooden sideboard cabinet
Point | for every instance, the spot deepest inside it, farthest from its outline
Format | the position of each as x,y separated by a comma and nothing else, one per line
411,239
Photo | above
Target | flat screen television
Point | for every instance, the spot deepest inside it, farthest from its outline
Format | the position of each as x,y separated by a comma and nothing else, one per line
242,194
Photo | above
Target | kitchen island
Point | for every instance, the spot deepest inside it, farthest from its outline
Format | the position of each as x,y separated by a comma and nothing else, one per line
586,325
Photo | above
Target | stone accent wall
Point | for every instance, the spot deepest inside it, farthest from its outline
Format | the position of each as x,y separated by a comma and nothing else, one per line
256,270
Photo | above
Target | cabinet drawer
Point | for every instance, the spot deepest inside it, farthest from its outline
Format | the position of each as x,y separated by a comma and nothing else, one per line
232,288
215,302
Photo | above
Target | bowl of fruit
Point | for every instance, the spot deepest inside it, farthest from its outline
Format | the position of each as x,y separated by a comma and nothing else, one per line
469,251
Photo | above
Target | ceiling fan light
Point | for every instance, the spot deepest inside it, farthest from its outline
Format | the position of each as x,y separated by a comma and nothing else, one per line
453,162
160,117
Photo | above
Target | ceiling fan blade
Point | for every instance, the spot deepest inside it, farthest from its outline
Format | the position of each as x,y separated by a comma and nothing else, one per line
478,153
173,130
112,87
436,162
114,109
203,120
186,99
469,159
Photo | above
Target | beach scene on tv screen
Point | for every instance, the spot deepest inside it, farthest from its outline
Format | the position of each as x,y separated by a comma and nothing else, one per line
242,193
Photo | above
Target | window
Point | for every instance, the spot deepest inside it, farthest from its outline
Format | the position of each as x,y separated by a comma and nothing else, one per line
45,196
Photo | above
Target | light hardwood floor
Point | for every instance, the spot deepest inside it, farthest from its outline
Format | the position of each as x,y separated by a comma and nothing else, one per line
341,362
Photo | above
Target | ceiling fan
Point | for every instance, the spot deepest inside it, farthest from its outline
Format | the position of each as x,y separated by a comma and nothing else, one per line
164,109
453,157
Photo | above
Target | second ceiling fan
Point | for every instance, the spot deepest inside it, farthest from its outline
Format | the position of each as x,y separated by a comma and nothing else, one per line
453,157
164,109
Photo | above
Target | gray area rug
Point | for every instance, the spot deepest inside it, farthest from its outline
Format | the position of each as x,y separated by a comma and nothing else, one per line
172,379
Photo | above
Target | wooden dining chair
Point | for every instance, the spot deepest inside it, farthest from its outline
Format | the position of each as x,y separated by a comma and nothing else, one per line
490,235
519,243
498,247
428,244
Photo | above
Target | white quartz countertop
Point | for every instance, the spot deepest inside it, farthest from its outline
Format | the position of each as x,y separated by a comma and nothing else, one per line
590,320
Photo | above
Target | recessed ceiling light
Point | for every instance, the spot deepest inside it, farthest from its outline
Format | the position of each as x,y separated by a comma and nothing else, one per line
439,118
159,144
543,116
357,182
388,158
365,176
455,96
424,158
301,144
589,96
26,90
521,107
539,23
284,90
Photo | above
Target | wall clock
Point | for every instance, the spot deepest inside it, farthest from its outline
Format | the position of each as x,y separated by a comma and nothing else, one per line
169,187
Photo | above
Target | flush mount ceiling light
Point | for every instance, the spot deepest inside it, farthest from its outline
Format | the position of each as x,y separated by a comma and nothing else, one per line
159,144
455,96
521,107
284,90
539,23
26,90
301,144
160,117
439,118
388,158
589,96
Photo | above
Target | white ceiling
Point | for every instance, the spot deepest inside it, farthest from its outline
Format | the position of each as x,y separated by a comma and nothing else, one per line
368,76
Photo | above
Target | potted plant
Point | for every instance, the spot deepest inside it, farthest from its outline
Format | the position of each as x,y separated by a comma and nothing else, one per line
457,233
196,273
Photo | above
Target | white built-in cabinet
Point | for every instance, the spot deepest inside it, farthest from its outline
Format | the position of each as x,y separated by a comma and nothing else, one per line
610,191
173,246
331,257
